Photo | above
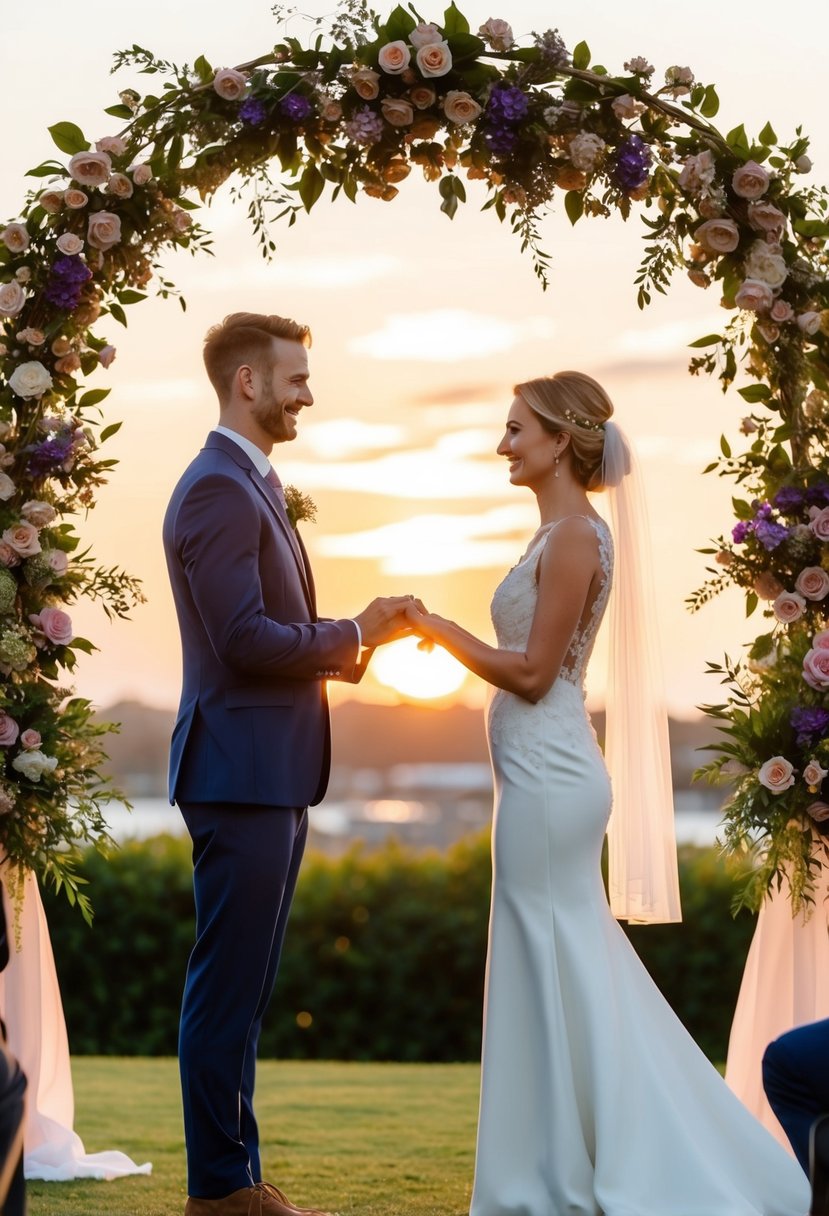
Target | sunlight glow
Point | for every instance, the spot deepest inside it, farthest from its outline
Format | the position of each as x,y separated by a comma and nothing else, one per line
416,673
446,335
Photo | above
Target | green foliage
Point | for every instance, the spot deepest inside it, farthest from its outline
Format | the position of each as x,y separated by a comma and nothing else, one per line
385,951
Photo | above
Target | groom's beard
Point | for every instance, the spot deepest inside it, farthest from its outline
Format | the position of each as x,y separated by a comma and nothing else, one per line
277,425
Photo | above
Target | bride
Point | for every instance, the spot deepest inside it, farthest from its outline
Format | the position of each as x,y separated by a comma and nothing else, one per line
594,1099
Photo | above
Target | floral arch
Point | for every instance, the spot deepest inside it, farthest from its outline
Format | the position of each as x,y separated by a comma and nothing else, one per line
356,112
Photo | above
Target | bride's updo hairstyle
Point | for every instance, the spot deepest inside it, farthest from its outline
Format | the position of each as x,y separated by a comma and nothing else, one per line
577,404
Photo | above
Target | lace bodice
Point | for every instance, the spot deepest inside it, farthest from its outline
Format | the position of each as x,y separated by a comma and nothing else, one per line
514,602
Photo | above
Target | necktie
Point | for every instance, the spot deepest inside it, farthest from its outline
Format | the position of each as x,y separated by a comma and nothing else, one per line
276,485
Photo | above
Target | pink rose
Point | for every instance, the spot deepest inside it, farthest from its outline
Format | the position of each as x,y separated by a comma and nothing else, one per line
765,217
750,180
781,311
788,607
397,111
12,299
54,624
754,295
626,107
51,201
180,220
58,561
809,323
90,168
816,668
33,337
498,33
68,364
230,84
424,35
813,582
698,172
819,811
699,278
70,244
75,199
459,107
819,522
30,739
434,59
394,58
113,144
366,83
22,538
106,355
767,331
813,775
821,640
422,96
8,557
103,230
141,174
331,110
718,236
15,237
776,775
120,186
9,730
6,800
767,586
712,206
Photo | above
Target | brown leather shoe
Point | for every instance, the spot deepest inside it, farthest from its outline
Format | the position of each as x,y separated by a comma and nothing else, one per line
264,1199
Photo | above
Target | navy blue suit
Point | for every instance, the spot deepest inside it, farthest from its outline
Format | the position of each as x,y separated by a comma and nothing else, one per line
796,1081
250,752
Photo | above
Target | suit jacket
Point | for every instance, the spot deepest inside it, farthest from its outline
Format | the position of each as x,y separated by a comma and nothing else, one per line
253,723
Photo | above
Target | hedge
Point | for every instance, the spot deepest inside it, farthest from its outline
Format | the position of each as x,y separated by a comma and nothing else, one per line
384,958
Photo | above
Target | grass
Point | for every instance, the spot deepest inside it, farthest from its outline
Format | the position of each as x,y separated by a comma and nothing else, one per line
358,1139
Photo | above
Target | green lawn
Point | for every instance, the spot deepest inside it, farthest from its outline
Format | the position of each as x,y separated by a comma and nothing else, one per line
359,1139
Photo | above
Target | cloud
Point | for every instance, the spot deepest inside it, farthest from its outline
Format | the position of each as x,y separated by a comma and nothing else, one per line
439,544
666,339
329,272
457,394
170,391
447,335
693,452
342,438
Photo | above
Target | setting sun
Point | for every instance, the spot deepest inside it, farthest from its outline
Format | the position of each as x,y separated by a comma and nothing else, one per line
417,673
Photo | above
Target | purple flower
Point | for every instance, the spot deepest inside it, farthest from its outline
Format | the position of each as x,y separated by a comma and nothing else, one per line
253,111
365,127
501,140
50,454
66,280
818,495
810,723
296,107
633,160
740,531
789,500
770,534
507,104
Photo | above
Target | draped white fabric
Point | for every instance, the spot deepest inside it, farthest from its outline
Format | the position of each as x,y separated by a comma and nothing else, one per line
785,984
643,882
31,1007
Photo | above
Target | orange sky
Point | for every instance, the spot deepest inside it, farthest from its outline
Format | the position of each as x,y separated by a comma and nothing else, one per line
421,326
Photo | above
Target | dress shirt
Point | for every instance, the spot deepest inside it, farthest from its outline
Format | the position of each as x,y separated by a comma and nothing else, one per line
263,466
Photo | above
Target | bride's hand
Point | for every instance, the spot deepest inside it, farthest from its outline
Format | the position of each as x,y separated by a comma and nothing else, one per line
416,615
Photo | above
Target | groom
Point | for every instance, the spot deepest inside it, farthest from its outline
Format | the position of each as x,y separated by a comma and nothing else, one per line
251,745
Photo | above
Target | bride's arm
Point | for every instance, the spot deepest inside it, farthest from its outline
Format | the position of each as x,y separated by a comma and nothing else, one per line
567,567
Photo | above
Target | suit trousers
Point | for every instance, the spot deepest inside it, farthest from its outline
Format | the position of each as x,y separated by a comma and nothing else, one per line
245,865
796,1081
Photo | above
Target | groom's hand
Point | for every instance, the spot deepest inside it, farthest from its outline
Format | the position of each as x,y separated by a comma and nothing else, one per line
384,620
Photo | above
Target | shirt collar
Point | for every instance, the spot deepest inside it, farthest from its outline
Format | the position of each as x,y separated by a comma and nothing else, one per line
257,456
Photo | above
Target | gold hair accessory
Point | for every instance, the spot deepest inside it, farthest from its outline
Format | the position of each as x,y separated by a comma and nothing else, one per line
584,423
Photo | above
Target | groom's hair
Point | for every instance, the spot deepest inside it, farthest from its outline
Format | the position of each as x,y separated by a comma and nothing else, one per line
245,338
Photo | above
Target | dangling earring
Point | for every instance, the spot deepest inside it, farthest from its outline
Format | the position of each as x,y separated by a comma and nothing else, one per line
556,473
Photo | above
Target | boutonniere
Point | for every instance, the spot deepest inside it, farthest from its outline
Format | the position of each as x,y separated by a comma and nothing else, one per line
299,506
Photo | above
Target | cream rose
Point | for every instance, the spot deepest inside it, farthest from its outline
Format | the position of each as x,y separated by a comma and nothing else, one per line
22,538
424,35
711,206
15,237
585,150
113,144
819,522
76,200
397,111
30,380
103,230
697,172
718,236
819,811
38,513
58,561
459,107
394,58
33,337
776,774
33,765
809,323
7,487
754,295
767,586
816,668
330,109
750,180
120,186
762,263
781,311
90,168
366,83
230,84
498,33
626,107
434,59
70,244
51,201
788,607
12,298
813,775
68,364
813,582
422,96
571,178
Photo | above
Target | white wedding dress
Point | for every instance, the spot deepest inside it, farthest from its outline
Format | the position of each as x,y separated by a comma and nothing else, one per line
594,1099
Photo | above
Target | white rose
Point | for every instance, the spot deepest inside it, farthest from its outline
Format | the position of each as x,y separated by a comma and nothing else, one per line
30,380
498,33
70,244
585,150
809,322
459,107
765,265
698,172
626,107
776,775
12,298
424,35
434,59
120,185
394,58
15,237
103,230
230,84
803,164
90,168
33,765
7,487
